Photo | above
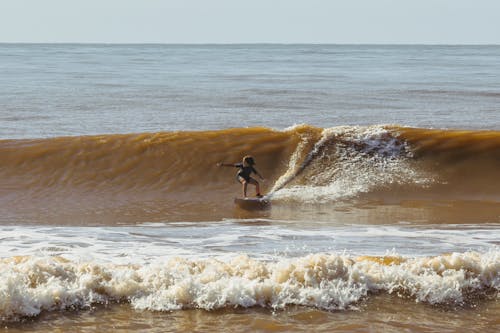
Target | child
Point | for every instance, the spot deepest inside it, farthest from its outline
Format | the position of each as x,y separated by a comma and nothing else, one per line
243,175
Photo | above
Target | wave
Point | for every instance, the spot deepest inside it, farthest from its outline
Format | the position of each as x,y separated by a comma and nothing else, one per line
30,285
301,164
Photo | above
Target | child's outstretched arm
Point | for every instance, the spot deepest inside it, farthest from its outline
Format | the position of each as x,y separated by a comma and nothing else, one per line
220,164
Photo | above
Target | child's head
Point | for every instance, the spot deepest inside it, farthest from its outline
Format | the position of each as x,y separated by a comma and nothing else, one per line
248,160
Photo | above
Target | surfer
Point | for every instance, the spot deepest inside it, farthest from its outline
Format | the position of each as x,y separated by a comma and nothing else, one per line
243,176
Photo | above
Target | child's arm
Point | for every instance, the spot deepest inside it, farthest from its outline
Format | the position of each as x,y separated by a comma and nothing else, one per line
257,173
226,164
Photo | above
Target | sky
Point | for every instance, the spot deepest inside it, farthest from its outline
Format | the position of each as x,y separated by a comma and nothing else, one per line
251,21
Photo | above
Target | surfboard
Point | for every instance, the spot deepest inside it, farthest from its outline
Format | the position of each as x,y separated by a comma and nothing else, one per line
253,203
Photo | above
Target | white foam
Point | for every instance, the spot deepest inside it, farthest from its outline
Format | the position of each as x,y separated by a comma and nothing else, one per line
363,158
30,285
160,267
265,240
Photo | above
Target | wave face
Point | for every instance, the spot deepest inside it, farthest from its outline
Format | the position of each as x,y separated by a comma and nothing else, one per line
302,164
30,285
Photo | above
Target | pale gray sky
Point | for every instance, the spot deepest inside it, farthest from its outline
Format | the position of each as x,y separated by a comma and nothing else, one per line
252,21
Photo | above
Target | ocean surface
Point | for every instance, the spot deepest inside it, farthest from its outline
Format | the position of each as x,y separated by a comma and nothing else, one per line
381,164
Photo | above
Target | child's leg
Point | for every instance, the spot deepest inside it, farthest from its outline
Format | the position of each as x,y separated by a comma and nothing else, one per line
257,185
244,187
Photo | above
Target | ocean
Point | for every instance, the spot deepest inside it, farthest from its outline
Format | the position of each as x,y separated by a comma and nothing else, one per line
381,164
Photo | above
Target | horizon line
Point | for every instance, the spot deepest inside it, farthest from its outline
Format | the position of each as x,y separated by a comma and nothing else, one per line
252,43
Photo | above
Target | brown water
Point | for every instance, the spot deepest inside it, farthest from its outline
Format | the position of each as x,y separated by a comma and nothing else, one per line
371,228
378,314
172,176
377,228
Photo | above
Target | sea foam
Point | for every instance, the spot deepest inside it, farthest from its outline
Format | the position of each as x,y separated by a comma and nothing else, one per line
347,161
30,285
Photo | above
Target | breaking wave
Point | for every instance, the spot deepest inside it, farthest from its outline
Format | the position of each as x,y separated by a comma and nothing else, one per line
30,285
302,164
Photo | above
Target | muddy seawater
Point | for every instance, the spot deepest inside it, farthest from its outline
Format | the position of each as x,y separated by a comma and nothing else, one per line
381,166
